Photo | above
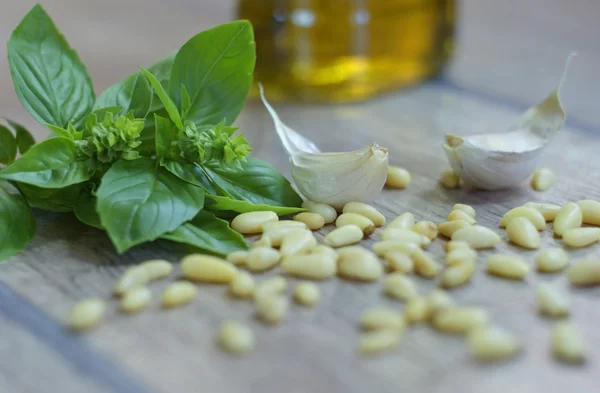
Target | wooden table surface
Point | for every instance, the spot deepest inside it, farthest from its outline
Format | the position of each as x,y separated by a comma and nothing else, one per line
511,55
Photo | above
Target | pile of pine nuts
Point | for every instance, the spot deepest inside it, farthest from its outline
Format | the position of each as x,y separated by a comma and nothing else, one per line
291,246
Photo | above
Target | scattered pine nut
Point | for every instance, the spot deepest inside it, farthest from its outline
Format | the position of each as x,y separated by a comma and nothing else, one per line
477,237
521,232
358,263
279,229
427,229
387,246
327,212
566,343
377,341
460,320
461,215
313,221
590,211
491,343
461,255
264,241
344,236
404,236
551,302
400,287
416,310
206,268
366,225
397,177
507,266
157,268
252,222
313,266
424,264
399,262
132,277
326,250
581,237
272,308
261,259
307,294
542,179
466,208
382,318
238,257
179,293
569,216
87,314
533,215
365,210
448,179
270,287
458,274
242,285
585,273
457,245
437,300
551,260
135,300
235,338
403,221
548,210
449,227
297,241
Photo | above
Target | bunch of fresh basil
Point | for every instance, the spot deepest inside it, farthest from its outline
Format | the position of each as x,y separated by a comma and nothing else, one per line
154,156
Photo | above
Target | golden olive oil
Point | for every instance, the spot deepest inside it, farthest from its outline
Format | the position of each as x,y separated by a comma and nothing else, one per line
347,50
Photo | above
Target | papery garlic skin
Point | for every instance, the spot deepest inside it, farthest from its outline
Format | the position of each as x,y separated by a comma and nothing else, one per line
332,178
504,160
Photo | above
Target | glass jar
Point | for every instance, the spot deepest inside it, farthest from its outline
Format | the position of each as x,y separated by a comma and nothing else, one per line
347,50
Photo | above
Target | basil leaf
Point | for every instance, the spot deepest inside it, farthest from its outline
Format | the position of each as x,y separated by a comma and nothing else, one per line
138,202
192,174
258,182
52,163
8,146
17,224
164,98
215,67
209,234
85,210
162,72
51,199
132,94
164,134
50,79
24,138
59,131
219,203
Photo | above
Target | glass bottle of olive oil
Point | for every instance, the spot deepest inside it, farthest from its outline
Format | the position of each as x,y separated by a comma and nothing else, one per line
347,50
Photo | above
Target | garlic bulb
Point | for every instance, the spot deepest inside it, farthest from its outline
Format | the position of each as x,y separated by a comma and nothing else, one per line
331,178
503,160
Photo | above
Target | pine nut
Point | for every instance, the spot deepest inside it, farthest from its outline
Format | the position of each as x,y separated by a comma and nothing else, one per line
448,178
458,274
272,308
387,246
590,211
551,260
270,287
400,287
178,293
357,263
586,272
466,208
362,222
581,237
297,241
378,341
365,210
264,241
403,221
132,277
449,227
507,266
157,268
252,222
344,236
206,268
542,179
135,300
460,320
324,250
551,302
327,212
382,318
235,338
242,285
262,258
279,229
461,215
313,221
566,343
307,294
477,237
536,218
313,266
569,216
461,255
427,229
491,343
424,264
437,300
548,210
238,257
521,232
404,236
87,314
416,310
457,245
397,177
399,262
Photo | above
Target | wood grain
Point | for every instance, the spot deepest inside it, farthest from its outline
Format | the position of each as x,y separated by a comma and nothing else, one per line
313,350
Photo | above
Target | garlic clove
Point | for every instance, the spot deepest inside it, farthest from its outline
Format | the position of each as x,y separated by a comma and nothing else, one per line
503,160
332,178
